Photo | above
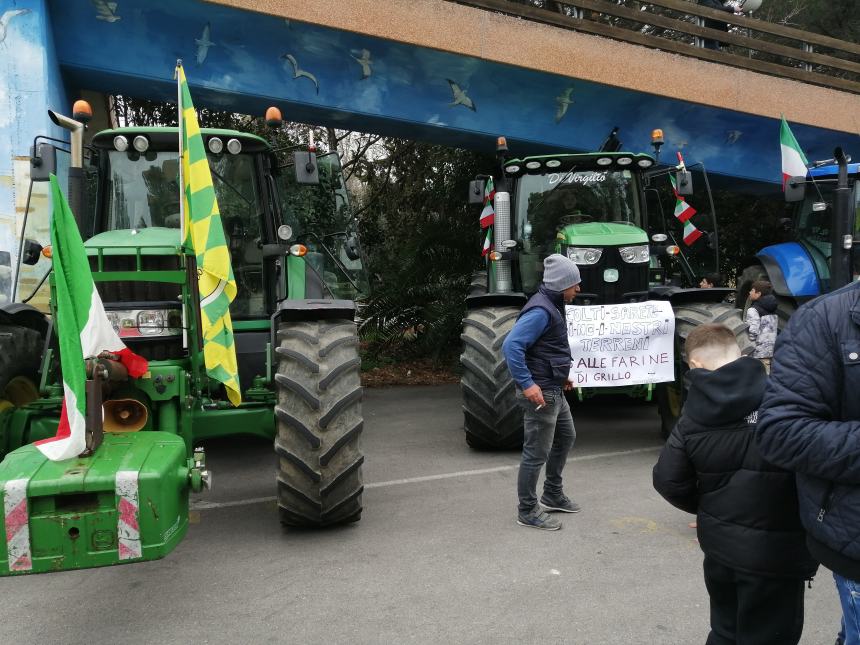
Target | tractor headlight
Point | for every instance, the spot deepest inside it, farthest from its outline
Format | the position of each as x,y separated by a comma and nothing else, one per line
583,255
134,323
150,323
635,254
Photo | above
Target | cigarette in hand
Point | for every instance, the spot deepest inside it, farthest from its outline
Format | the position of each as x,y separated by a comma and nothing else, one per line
542,405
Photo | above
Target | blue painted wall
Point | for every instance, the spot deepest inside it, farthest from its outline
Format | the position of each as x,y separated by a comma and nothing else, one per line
133,49
30,81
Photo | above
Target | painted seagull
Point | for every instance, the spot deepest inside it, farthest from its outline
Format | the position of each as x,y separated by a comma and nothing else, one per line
106,10
460,96
297,72
732,136
365,63
563,101
7,17
203,44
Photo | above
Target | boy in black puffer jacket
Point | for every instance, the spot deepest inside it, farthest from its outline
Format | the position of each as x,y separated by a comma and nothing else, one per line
748,526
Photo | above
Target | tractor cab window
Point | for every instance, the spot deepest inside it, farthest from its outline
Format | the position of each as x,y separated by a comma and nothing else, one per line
547,204
813,226
322,220
143,191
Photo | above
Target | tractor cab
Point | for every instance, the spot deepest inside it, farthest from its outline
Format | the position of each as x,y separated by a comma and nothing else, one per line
825,224
614,214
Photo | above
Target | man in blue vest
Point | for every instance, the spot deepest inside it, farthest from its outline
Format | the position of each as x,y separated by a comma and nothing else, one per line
538,355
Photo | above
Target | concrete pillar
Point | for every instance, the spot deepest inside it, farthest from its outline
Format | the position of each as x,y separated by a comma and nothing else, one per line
30,84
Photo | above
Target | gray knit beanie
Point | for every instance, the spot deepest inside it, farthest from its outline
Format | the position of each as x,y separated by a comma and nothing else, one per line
560,273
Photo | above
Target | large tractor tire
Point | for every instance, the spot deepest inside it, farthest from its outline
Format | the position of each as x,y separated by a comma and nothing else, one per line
786,306
319,423
478,283
20,361
493,420
671,396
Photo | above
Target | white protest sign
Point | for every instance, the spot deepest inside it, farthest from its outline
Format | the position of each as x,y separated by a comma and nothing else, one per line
616,345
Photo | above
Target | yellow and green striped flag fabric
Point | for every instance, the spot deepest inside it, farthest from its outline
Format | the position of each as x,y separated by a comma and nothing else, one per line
206,235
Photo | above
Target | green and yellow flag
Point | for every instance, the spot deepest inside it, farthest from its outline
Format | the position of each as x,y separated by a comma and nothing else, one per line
203,230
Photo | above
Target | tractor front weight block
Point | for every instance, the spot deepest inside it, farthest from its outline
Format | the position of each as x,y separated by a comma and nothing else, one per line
128,502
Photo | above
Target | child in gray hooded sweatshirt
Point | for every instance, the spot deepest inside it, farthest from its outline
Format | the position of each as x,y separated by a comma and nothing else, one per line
762,320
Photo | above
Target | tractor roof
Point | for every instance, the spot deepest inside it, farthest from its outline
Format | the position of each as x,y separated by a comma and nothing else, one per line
603,161
167,138
833,170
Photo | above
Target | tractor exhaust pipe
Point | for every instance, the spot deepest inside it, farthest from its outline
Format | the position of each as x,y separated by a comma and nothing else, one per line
842,241
502,233
76,172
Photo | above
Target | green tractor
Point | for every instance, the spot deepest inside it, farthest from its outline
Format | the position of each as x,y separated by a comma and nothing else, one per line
297,263
607,211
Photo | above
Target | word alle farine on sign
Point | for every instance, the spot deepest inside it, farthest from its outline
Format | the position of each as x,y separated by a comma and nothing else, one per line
616,345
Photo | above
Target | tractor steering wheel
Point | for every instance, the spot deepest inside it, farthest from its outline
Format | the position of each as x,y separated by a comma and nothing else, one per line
576,218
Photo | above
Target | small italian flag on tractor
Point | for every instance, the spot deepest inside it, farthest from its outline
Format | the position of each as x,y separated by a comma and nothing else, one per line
488,214
488,242
683,211
794,162
691,233
83,330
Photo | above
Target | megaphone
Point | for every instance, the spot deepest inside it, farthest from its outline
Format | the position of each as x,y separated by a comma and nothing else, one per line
124,415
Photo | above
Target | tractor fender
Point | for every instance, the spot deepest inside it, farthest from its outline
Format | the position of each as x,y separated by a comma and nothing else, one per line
295,309
790,269
18,313
304,310
496,300
681,295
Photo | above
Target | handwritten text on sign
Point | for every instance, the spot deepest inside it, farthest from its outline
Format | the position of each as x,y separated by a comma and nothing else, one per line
616,345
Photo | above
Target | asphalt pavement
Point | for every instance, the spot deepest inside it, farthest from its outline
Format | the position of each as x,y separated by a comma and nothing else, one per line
437,557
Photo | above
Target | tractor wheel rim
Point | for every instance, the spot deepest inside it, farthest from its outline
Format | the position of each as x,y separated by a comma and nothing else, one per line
20,391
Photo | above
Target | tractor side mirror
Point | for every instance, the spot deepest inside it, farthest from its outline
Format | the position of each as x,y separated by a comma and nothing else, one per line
43,162
684,180
476,191
795,189
31,251
307,169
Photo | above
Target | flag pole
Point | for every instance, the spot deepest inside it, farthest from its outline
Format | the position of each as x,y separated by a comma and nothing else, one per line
180,115
179,120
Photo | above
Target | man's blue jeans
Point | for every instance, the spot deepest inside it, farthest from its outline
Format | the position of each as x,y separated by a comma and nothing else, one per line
547,439
849,597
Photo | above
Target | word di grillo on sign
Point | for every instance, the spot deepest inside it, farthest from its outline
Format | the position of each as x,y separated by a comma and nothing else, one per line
617,345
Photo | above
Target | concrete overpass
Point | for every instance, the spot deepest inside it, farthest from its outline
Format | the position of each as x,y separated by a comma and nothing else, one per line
427,69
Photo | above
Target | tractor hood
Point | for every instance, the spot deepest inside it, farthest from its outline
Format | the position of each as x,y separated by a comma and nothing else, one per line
150,241
602,234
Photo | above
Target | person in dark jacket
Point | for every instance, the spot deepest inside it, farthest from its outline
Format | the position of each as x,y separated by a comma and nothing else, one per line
755,557
537,351
762,321
810,424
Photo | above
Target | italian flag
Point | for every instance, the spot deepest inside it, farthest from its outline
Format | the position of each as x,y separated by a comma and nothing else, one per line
683,211
488,242
83,330
794,162
691,233
488,214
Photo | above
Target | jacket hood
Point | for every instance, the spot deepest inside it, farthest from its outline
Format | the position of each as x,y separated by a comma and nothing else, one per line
766,305
726,395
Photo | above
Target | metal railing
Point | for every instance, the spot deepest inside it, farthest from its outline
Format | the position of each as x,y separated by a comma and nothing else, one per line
678,26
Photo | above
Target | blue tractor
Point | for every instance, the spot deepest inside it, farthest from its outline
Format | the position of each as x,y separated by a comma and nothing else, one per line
824,229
